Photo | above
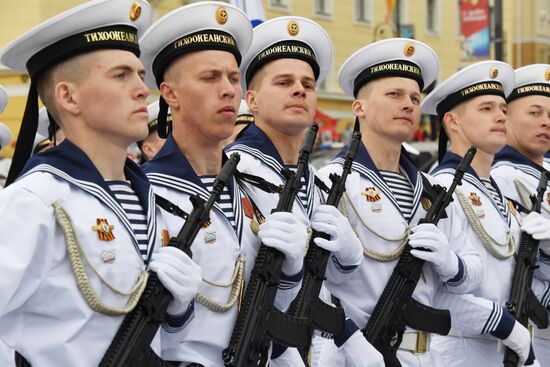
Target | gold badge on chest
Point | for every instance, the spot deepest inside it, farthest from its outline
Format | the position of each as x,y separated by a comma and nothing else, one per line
475,199
104,229
373,196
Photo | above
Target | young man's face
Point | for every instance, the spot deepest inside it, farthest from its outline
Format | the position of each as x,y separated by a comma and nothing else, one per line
283,95
112,98
389,107
206,87
480,121
529,125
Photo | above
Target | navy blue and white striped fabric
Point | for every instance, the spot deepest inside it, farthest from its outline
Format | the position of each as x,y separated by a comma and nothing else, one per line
129,201
402,190
495,195
224,201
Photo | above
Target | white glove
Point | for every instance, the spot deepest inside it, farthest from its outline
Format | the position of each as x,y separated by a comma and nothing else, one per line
179,274
538,227
519,341
360,353
343,242
286,233
443,259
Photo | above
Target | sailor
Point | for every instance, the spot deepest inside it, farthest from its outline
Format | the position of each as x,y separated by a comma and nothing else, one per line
288,57
472,107
385,195
192,55
517,167
80,225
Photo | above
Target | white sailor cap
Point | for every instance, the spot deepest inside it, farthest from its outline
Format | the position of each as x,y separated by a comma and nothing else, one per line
5,135
208,25
484,77
488,77
3,99
244,116
531,80
288,37
94,25
402,57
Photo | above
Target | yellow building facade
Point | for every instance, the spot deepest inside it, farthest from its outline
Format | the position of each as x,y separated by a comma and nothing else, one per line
350,23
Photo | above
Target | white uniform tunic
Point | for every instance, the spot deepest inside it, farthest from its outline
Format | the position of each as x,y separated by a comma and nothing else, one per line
216,249
518,178
473,316
375,216
43,314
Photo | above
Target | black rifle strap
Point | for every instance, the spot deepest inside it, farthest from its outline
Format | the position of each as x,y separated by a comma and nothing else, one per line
430,191
259,182
20,361
170,207
519,207
321,185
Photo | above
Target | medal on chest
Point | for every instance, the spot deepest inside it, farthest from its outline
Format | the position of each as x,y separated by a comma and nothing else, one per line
252,213
104,229
476,203
373,196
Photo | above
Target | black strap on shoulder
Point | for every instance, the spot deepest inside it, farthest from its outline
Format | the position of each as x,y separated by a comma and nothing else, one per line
170,207
519,207
321,185
259,182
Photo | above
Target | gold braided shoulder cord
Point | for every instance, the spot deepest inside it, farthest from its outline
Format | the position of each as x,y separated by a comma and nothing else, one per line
77,257
375,255
490,244
524,195
236,283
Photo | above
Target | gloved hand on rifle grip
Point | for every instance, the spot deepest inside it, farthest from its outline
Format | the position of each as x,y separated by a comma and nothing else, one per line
519,341
360,353
179,274
539,228
343,242
285,232
444,260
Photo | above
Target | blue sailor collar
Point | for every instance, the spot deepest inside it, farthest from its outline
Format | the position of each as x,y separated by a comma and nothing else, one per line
511,155
171,169
365,166
68,162
170,161
363,159
255,142
451,161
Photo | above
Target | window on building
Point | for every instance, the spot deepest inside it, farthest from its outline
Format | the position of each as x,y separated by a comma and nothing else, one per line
363,11
323,7
432,16
279,4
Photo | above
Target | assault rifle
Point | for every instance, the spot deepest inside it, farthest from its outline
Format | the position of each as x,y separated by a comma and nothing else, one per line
307,303
396,308
522,302
259,322
131,344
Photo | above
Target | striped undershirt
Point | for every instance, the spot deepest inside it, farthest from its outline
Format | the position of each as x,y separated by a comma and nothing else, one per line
494,194
402,191
129,201
302,194
224,201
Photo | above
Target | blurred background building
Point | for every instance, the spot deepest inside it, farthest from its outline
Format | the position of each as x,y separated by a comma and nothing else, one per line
460,31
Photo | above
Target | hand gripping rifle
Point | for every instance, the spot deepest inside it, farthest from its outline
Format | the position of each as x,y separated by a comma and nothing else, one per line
522,302
307,303
259,321
396,308
131,344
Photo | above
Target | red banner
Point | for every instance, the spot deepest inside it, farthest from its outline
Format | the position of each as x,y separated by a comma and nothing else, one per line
474,27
